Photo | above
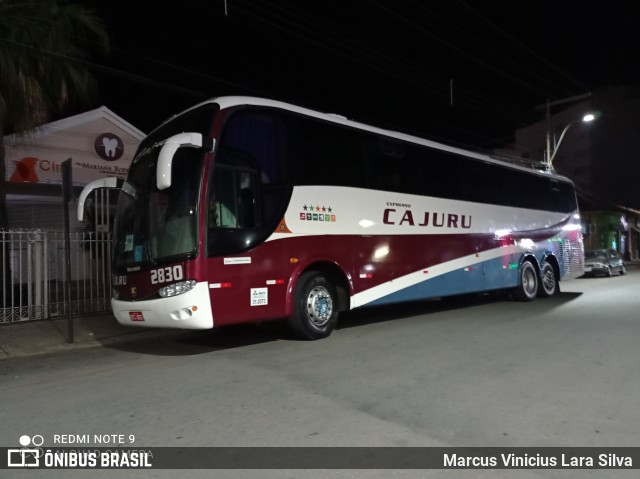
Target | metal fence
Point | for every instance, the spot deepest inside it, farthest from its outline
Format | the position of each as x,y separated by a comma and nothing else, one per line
35,278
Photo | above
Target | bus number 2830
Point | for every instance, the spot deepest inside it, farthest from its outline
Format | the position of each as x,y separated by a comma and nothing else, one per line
164,275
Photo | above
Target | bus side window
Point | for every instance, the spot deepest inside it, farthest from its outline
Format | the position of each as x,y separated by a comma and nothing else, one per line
233,192
262,137
247,199
222,207
391,166
487,183
327,154
442,174
257,134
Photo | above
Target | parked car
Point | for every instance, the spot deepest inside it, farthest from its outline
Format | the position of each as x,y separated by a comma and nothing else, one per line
603,262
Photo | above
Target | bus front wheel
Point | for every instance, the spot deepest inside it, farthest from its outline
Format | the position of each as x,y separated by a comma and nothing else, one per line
528,287
316,307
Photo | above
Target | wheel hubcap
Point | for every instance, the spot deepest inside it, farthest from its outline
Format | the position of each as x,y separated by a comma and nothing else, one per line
319,306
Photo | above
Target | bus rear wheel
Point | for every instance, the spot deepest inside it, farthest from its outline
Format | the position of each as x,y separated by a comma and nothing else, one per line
528,287
548,281
316,307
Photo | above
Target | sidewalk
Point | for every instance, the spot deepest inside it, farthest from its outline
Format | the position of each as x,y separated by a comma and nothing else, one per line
28,338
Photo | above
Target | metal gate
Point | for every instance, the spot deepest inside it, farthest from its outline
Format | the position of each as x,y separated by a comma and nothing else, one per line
34,272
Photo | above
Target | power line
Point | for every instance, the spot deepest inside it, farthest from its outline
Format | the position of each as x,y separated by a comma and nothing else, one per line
458,50
460,32
362,55
522,45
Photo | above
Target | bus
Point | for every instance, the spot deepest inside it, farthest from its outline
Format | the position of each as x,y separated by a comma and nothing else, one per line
245,209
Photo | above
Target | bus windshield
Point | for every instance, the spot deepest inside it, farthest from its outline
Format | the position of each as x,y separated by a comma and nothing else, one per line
246,191
155,226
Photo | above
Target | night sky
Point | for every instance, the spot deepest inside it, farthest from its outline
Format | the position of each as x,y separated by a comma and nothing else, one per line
467,73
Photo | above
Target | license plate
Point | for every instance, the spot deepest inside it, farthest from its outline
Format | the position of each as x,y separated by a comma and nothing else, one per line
136,316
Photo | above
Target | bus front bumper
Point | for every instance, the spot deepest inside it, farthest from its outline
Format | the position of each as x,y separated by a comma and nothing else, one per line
191,310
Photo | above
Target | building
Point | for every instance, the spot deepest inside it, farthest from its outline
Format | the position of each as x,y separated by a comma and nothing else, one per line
611,227
99,144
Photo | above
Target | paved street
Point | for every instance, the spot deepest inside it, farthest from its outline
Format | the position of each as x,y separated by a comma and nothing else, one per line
471,372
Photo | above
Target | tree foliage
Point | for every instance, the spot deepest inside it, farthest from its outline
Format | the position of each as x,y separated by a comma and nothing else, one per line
44,46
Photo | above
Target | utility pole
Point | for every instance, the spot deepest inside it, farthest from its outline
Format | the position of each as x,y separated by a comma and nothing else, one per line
547,108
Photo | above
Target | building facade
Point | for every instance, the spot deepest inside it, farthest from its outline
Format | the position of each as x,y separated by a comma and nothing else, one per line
98,142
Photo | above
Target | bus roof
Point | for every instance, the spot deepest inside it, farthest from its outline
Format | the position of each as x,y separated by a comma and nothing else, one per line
233,101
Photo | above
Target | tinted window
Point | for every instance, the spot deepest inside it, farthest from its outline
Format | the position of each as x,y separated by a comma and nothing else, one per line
485,183
562,196
442,173
326,154
249,186
256,134
392,165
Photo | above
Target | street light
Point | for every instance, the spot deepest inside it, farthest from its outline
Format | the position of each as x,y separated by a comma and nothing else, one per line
550,156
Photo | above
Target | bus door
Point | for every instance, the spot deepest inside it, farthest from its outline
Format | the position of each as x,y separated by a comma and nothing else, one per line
233,226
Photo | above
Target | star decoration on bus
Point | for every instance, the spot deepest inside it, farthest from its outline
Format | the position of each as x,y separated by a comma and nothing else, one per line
311,212
318,208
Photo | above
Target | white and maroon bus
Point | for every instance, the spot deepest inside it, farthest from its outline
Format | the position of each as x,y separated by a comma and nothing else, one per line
245,209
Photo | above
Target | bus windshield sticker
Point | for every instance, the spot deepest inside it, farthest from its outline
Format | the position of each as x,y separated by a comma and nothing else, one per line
128,243
128,189
259,296
243,260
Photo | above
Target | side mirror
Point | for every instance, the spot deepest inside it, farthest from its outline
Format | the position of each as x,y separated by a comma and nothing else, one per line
169,148
111,182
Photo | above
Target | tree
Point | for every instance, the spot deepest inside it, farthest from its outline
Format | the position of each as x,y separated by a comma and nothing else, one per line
43,48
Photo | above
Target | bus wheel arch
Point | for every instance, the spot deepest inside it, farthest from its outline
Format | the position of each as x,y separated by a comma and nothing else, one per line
549,277
320,294
528,281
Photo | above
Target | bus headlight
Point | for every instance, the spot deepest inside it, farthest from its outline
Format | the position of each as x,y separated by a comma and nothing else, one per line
177,288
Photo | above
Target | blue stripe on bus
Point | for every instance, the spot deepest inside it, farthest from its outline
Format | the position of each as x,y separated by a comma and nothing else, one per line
488,275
